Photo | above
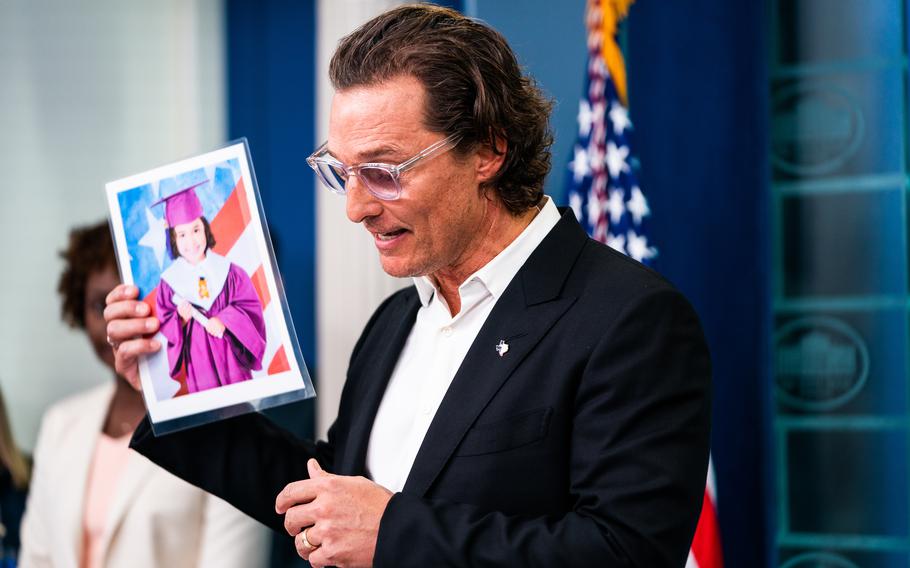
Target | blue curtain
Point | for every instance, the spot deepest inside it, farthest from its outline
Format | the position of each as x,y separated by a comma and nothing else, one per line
698,91
271,68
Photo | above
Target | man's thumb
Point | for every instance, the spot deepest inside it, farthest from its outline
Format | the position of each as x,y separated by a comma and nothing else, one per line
314,469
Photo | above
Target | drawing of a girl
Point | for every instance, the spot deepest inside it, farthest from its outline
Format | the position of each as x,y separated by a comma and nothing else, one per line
207,305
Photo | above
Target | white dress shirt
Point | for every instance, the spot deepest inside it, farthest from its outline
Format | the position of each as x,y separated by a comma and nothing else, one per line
434,351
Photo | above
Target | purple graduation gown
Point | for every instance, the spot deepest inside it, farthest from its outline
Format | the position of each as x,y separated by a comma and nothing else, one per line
213,362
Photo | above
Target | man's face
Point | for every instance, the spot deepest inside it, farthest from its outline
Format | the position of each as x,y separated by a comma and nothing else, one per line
436,223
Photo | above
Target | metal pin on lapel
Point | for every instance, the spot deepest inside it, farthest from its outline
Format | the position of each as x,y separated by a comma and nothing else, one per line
502,347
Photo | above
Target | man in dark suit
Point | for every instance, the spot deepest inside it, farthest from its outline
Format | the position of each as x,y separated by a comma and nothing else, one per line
536,399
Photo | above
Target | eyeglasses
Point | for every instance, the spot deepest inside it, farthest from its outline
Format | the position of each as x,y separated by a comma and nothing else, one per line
381,180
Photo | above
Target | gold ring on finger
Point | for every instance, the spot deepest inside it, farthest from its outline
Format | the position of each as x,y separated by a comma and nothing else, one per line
306,542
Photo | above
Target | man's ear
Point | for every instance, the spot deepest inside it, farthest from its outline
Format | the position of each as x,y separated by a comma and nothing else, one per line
489,161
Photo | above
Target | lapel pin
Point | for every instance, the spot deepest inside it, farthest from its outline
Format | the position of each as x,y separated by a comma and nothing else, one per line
502,347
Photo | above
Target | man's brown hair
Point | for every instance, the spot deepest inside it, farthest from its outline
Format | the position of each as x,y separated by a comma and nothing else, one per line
474,86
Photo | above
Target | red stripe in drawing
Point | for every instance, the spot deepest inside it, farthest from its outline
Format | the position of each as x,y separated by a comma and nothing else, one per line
229,223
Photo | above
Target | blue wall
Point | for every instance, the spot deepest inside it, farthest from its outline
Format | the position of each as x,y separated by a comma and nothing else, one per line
271,53
271,69
698,86
549,39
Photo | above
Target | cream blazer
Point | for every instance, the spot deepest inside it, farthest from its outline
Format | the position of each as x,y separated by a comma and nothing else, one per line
156,520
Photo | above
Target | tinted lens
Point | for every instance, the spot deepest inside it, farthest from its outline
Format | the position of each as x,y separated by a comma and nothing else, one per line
380,182
333,177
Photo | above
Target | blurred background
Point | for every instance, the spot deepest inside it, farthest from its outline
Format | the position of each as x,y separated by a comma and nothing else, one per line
769,139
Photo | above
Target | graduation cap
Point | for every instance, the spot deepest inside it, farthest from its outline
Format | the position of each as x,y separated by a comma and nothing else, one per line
182,207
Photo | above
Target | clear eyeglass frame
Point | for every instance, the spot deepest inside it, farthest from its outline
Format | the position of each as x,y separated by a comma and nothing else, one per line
380,179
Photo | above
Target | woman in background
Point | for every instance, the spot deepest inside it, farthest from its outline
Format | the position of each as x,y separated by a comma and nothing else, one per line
14,477
94,502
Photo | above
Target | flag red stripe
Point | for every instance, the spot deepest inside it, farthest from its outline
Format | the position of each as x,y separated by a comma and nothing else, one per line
229,223
152,301
262,288
279,362
706,545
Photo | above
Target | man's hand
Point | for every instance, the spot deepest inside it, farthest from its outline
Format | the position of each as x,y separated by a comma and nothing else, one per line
215,327
128,325
185,310
341,516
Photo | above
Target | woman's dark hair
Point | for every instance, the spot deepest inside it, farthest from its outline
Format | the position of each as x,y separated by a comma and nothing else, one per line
474,88
90,249
172,239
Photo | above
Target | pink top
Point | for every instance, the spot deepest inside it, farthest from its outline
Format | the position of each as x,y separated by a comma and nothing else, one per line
108,464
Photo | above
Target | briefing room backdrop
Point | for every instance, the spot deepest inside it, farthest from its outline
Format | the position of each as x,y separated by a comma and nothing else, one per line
838,150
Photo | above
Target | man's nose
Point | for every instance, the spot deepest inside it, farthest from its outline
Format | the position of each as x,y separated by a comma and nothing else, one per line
360,203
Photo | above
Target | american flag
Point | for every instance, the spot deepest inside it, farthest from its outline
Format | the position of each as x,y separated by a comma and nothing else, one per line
226,205
603,185
603,191
706,551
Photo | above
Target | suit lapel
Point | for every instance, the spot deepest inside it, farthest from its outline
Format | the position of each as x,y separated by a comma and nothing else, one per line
525,312
375,381
480,376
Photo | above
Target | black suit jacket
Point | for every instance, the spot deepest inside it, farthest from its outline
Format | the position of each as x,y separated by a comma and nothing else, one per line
586,444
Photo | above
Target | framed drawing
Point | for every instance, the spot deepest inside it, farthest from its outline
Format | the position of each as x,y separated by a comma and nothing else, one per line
192,237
